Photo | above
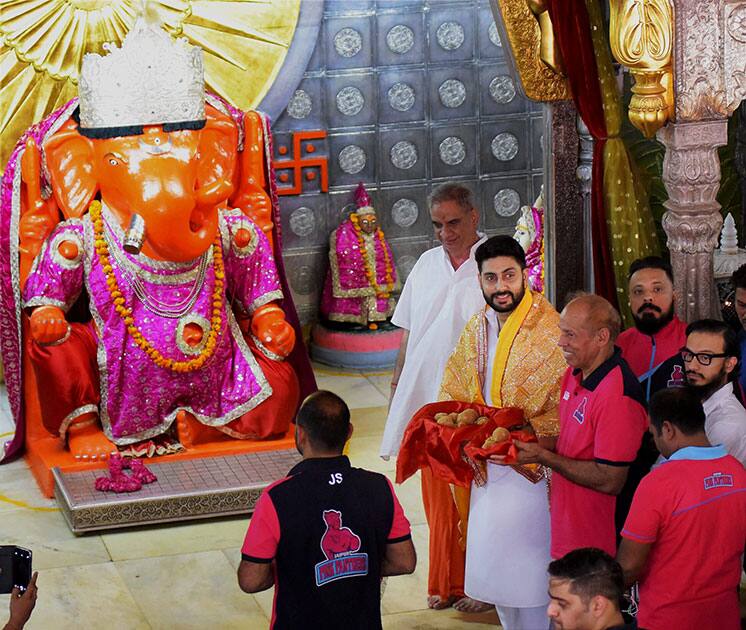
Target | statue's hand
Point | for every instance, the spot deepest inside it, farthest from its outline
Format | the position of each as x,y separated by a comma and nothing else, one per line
269,326
251,195
48,325
39,216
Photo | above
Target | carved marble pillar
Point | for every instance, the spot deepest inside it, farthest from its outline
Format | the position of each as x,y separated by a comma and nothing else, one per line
691,174
584,173
740,162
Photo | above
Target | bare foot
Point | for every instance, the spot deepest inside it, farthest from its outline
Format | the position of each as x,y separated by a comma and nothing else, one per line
436,602
469,605
192,432
88,443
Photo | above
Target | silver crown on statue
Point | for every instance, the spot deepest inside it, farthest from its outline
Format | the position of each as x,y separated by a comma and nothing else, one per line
151,80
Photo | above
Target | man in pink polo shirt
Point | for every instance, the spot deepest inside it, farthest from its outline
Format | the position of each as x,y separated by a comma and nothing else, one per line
602,420
685,532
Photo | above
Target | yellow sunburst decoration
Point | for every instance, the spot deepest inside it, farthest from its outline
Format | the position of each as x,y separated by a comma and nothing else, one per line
245,43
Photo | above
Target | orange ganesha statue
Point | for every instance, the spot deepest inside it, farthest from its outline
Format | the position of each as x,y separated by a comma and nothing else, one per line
137,264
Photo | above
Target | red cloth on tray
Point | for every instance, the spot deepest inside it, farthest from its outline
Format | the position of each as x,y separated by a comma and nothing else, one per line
440,448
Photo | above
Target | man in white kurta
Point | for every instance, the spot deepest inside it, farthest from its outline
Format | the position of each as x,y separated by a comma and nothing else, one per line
440,295
435,304
506,356
507,548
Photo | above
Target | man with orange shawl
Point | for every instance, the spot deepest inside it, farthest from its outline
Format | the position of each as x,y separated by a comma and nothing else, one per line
507,356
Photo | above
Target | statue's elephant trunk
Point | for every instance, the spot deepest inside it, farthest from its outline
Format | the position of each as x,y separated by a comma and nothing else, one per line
175,180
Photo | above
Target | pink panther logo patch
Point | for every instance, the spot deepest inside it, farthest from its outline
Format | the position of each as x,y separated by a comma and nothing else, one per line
677,377
340,546
579,413
337,540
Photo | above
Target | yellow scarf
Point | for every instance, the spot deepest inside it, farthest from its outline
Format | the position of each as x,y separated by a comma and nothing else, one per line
505,343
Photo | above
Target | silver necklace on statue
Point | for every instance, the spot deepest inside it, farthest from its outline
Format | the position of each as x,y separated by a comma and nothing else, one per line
130,274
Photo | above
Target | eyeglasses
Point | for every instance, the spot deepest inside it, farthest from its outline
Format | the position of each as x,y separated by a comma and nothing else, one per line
704,358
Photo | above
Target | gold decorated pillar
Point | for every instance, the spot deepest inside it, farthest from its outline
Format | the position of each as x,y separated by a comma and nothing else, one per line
641,36
688,59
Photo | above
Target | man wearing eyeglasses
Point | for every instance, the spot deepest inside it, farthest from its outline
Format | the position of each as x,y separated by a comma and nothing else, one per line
710,358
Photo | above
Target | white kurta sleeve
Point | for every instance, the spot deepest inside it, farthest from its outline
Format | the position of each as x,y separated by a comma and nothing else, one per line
403,315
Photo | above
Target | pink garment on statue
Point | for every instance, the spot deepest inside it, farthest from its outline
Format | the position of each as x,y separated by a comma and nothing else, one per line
535,253
140,400
348,295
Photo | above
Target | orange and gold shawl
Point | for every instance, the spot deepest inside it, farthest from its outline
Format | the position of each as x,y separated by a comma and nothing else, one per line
527,371
528,364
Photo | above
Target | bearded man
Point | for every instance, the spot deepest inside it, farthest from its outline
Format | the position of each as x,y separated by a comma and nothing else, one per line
711,356
651,349
658,334
506,356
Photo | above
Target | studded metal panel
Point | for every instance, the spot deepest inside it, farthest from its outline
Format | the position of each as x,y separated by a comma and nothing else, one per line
412,94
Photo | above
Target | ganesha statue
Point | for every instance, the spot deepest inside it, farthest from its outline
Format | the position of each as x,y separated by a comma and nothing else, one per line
529,232
148,289
361,275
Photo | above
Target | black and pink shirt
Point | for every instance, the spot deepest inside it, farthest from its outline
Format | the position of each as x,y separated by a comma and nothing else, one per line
602,419
326,527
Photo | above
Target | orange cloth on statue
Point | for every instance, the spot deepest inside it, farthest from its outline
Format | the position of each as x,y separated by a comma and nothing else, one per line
72,366
447,556
271,417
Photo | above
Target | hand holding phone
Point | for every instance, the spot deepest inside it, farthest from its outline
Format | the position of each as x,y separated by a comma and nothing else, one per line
15,568
22,604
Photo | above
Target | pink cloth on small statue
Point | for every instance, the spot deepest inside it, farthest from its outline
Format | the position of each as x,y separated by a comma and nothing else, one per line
347,287
535,253
140,400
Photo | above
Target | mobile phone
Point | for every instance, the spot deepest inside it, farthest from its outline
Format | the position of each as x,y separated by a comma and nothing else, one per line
15,568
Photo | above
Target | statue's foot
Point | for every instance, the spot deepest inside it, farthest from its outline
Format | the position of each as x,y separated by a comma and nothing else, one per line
87,442
192,432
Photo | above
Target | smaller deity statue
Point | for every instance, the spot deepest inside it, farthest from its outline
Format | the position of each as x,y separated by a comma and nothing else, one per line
529,232
361,274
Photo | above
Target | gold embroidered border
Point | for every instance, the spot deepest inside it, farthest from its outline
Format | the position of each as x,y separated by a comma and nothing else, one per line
75,413
266,351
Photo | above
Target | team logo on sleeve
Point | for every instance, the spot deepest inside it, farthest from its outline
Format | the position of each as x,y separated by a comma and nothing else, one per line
718,480
340,546
677,377
579,413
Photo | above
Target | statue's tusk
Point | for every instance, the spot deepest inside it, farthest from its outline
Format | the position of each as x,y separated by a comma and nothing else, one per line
135,237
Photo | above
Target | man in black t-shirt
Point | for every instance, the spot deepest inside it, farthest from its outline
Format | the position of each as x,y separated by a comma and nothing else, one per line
326,534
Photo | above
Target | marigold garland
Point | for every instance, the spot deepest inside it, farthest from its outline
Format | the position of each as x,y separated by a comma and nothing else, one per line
216,321
384,292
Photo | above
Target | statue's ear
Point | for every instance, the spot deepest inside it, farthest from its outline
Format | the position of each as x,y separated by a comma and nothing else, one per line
69,158
218,150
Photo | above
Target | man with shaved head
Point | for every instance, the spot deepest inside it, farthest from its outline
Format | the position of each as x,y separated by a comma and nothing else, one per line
602,420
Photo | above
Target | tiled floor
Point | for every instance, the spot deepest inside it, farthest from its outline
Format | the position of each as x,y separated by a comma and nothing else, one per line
182,576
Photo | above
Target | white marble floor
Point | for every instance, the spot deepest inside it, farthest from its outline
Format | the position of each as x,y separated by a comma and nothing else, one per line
182,576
